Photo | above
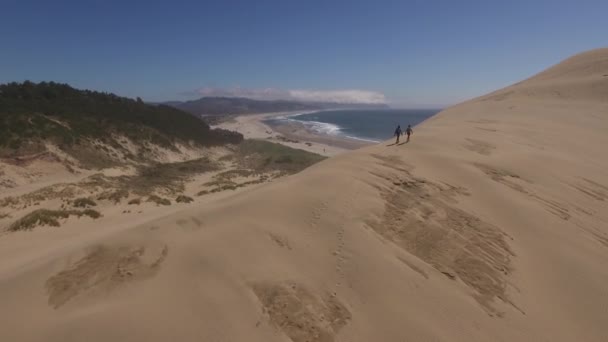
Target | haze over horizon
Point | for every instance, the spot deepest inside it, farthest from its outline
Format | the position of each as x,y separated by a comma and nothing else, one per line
406,54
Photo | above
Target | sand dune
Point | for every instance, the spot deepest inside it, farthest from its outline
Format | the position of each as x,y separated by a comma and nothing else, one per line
490,225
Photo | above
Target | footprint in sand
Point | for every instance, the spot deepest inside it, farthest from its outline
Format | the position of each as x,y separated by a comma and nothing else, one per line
190,225
317,213
280,241
341,256
479,146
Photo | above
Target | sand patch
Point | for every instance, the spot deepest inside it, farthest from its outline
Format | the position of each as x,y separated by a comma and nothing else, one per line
413,266
516,183
504,177
279,240
420,217
393,162
479,146
592,189
104,269
302,316
190,224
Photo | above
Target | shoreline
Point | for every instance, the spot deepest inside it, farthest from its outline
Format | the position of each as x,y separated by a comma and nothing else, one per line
292,134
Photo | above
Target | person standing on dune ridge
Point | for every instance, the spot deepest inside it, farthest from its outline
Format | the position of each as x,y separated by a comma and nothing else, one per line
409,131
398,133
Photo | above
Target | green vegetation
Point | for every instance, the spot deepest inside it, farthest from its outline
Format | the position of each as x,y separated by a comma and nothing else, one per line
260,158
31,112
90,156
184,199
84,202
49,217
230,174
169,177
158,200
264,156
56,191
230,186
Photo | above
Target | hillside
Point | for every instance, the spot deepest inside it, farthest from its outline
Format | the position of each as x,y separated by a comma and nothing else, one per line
34,115
237,105
490,225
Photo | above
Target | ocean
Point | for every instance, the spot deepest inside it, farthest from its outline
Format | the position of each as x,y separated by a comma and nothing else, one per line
368,125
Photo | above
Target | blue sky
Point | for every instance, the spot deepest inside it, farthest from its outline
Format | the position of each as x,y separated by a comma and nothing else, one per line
409,53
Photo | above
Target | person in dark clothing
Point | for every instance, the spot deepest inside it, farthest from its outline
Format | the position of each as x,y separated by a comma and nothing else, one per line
398,133
409,131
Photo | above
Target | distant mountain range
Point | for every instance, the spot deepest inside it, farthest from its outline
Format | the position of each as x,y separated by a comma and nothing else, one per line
239,105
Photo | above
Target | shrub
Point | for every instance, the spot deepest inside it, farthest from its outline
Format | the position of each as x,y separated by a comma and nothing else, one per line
159,200
264,156
183,199
49,218
83,203
94,214
135,201
115,196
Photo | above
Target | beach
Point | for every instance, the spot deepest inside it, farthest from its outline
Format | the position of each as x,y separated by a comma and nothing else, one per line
327,132
291,134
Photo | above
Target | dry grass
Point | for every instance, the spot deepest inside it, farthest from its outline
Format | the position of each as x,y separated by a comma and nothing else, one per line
230,186
47,217
230,174
134,201
263,156
184,199
168,177
83,202
115,196
159,200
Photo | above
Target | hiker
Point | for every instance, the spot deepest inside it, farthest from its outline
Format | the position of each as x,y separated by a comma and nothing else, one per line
409,131
398,133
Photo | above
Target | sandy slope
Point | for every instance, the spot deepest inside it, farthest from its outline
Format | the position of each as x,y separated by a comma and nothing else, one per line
490,225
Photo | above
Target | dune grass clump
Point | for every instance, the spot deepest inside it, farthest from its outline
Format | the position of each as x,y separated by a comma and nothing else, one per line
264,156
94,214
169,177
203,193
135,201
48,217
83,203
159,200
184,199
230,174
9,201
115,196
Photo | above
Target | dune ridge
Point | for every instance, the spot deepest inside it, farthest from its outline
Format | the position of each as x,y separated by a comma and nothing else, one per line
491,224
